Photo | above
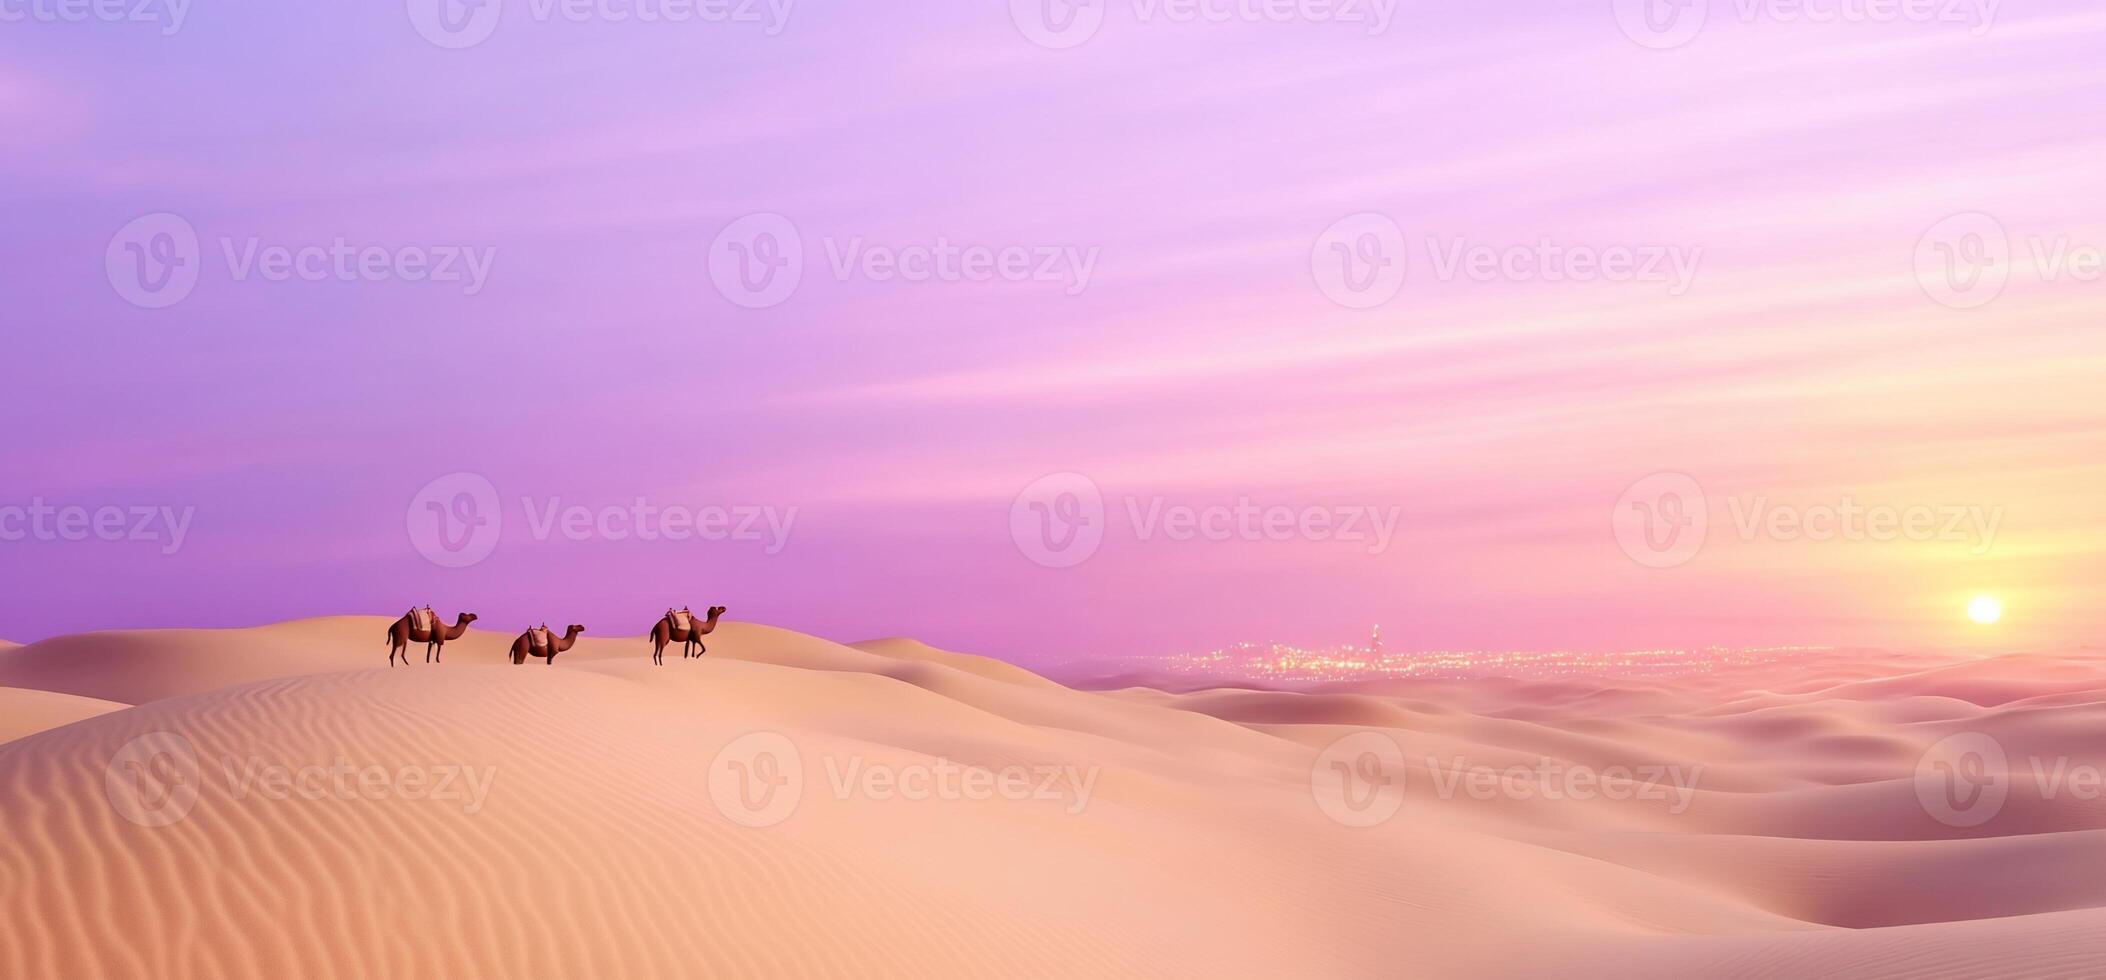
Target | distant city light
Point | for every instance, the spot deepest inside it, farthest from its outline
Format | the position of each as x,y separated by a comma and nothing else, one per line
1284,664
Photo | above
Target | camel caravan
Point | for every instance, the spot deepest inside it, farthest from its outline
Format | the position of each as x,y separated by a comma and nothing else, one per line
421,625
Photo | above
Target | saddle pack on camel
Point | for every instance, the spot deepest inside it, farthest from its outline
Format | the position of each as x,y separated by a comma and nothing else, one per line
682,619
421,620
538,640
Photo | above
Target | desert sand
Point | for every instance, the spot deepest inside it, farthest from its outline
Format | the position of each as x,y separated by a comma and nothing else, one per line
268,803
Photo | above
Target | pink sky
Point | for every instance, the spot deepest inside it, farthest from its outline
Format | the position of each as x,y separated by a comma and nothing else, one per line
1495,419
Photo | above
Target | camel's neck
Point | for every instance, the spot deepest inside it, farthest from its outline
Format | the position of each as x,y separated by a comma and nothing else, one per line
459,626
570,637
711,622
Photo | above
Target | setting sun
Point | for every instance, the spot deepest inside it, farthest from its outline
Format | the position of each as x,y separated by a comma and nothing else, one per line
1985,609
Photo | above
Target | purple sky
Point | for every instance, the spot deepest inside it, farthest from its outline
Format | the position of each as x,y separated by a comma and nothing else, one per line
1804,359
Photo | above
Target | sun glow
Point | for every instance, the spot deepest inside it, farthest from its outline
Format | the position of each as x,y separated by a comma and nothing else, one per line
1985,609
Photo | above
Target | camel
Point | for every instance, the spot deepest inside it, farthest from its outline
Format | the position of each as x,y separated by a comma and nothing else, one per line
537,642
679,626
423,626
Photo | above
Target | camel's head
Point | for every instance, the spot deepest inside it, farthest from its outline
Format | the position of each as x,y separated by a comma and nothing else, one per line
715,611
467,618
575,629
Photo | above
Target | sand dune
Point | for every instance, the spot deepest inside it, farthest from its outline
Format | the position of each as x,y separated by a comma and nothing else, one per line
27,712
279,803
